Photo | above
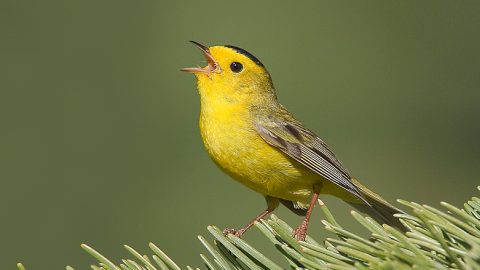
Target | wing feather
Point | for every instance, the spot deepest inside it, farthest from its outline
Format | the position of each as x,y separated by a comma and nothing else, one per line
309,150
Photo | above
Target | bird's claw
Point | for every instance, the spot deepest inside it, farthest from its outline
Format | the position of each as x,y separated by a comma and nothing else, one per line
227,231
237,233
300,233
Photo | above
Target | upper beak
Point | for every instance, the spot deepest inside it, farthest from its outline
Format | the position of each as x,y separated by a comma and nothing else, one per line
212,63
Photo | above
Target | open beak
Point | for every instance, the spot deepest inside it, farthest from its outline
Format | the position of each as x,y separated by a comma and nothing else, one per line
212,63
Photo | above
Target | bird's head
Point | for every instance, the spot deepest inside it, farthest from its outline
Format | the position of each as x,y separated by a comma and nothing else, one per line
232,74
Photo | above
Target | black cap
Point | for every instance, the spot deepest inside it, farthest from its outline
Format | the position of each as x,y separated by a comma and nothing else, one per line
247,54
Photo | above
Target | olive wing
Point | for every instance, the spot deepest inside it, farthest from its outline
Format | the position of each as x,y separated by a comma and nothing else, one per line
308,149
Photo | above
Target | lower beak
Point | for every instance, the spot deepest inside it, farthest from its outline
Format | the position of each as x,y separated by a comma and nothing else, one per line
212,63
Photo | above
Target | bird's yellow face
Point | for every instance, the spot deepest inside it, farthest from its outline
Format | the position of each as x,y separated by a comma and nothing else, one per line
231,75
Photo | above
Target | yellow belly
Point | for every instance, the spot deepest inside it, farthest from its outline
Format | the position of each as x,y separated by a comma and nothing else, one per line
238,150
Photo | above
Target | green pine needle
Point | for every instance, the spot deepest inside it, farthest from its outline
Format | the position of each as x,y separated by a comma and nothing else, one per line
437,239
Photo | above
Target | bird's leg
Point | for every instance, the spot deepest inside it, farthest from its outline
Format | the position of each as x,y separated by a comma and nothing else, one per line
272,204
301,231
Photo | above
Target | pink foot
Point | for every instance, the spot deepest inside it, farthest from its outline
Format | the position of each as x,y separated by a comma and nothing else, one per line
300,232
237,233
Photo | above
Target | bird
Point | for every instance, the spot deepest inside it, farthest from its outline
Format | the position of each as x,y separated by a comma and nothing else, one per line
254,139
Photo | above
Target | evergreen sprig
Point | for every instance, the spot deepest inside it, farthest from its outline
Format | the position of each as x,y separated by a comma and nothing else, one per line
436,239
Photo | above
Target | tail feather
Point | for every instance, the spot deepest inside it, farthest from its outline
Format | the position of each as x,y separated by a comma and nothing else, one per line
381,213
379,209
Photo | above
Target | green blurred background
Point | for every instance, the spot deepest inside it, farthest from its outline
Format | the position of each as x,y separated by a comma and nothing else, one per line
99,138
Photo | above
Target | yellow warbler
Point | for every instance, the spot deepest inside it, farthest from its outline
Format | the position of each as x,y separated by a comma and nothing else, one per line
255,140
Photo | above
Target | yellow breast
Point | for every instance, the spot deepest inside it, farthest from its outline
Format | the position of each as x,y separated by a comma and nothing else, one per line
232,142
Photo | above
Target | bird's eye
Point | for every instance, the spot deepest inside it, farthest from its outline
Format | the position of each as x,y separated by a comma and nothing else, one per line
236,67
